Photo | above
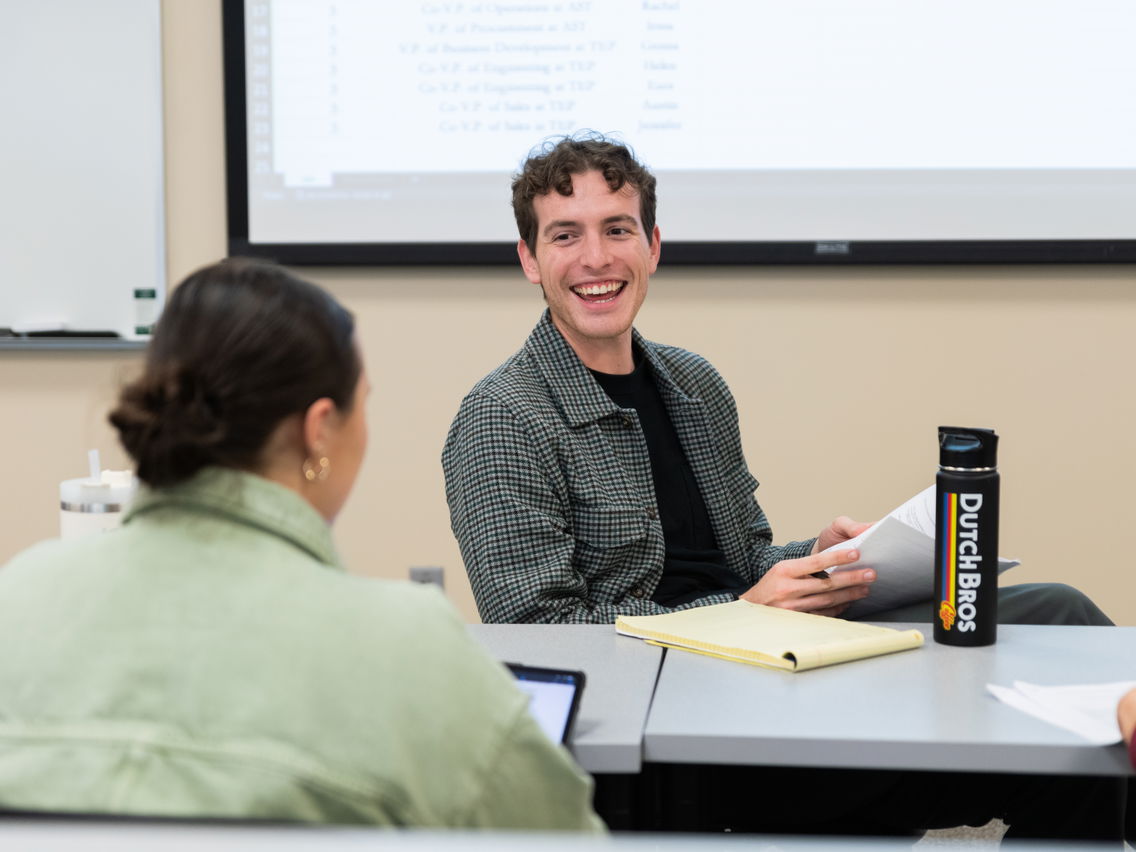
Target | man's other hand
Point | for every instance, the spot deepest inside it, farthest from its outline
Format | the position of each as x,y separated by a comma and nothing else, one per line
842,529
802,584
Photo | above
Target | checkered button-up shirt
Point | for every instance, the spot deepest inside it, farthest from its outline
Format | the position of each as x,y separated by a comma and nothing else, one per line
550,489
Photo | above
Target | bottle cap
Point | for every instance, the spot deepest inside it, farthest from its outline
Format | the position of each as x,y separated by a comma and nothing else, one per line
967,448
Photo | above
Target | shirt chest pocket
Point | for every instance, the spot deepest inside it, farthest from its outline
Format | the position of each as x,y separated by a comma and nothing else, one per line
609,539
612,526
605,527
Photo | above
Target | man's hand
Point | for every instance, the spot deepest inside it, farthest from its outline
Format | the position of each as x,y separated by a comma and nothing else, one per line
1126,715
799,584
842,529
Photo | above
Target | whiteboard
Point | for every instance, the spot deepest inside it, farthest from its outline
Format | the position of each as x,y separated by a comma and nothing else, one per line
82,219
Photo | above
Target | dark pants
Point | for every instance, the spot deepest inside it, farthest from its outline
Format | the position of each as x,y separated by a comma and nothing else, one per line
793,800
1026,603
788,800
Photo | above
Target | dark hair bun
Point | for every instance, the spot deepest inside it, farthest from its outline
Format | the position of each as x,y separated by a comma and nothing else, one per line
171,425
241,346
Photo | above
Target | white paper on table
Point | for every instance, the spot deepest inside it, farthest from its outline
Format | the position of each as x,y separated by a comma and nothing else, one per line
901,548
1088,710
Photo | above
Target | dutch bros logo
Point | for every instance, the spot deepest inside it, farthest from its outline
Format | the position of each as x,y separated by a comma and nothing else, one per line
958,528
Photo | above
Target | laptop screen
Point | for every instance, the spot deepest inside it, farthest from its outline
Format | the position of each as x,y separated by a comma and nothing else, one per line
554,697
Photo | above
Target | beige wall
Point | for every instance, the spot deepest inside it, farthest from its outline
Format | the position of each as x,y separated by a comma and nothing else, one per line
841,377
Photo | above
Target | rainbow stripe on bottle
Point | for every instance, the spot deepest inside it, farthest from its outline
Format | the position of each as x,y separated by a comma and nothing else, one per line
948,539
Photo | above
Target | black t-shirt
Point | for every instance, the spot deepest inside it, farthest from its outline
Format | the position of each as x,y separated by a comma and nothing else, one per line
693,565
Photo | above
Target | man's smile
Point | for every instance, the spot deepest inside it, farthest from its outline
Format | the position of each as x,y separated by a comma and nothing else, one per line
599,291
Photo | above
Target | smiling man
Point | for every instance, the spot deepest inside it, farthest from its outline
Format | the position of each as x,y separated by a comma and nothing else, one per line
596,473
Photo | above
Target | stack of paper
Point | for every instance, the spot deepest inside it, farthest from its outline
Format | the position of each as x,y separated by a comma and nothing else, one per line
767,636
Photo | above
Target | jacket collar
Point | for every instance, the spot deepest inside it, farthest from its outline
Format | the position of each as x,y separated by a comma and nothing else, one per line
248,499
571,384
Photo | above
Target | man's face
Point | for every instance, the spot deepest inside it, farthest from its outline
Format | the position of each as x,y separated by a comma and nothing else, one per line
593,261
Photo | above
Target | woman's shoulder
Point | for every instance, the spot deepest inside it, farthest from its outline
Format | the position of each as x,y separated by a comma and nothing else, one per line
395,606
44,554
415,620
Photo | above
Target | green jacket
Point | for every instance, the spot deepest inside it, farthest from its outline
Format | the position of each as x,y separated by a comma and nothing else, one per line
211,658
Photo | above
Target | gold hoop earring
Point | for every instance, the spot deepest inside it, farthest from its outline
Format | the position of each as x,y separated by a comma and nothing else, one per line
310,472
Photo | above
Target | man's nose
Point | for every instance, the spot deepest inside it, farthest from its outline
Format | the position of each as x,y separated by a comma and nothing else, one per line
596,252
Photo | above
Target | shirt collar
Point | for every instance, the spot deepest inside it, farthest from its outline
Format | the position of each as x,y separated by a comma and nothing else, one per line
578,394
247,499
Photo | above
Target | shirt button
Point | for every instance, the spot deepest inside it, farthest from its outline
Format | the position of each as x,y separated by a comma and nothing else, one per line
628,421
639,592
652,512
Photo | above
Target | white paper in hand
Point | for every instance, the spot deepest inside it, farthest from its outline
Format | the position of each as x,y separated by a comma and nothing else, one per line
901,548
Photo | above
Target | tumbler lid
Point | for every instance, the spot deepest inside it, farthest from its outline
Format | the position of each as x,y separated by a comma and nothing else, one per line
113,488
967,448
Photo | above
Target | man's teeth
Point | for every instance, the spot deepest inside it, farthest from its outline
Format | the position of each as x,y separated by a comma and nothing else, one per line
598,289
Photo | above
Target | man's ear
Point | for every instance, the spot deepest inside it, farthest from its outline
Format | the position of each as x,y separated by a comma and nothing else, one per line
655,249
319,420
528,262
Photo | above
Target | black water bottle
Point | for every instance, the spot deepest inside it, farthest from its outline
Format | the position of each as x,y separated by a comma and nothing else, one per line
966,537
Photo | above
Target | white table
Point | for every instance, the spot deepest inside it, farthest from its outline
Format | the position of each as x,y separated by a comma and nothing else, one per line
921,709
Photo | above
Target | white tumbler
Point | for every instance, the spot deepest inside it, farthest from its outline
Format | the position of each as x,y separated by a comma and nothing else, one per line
95,503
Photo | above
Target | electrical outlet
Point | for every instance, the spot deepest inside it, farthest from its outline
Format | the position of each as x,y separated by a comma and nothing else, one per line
428,574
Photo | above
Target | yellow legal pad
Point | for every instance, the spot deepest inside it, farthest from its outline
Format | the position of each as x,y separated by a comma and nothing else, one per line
767,636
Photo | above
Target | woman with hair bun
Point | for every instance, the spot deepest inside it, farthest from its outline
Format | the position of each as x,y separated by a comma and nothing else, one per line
210,658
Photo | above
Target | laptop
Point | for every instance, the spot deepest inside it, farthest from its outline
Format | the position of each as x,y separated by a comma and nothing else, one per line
554,697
